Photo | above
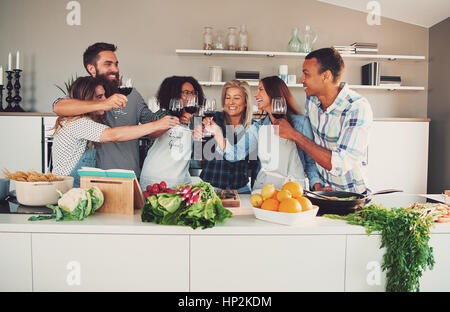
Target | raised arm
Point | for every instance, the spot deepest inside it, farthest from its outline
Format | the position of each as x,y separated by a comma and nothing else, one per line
73,107
127,133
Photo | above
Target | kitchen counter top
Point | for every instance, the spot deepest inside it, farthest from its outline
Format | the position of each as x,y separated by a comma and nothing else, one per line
102,223
241,254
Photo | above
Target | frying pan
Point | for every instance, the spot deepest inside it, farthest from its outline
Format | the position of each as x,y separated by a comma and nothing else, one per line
342,207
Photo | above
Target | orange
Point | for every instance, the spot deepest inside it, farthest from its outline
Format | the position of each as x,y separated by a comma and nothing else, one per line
290,205
267,191
270,204
305,203
256,200
275,194
283,195
294,187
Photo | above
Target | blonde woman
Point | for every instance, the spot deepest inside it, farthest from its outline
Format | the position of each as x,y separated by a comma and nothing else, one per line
234,120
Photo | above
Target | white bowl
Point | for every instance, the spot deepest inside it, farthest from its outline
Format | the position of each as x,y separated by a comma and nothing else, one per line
41,193
286,218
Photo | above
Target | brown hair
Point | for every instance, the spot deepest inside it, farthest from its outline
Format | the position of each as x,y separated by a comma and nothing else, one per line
275,87
84,89
246,119
90,56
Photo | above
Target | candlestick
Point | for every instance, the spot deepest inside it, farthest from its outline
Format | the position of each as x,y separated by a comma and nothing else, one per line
1,98
9,87
18,60
1,75
9,62
17,98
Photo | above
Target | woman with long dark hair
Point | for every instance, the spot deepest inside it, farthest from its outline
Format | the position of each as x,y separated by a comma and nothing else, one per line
71,150
280,159
168,158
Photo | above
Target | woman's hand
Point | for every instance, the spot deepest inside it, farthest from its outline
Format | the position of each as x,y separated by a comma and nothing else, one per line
212,127
115,101
167,122
198,132
186,117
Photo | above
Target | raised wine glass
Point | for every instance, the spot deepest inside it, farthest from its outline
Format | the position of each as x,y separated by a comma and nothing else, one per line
278,107
125,89
175,107
209,109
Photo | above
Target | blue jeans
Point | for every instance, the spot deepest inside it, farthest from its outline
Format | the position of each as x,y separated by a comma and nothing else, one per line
86,160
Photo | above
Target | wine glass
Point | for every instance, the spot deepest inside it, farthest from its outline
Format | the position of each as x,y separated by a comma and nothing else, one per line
191,102
124,89
209,109
278,107
175,107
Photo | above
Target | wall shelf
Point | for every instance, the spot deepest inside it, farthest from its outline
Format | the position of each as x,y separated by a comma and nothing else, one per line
390,88
390,57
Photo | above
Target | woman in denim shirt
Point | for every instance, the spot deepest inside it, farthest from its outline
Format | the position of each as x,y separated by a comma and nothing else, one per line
281,159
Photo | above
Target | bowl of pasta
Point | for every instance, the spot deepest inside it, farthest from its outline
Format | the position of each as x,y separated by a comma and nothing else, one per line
38,189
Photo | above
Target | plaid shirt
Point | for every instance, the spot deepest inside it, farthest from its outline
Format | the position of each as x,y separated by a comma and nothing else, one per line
344,130
222,173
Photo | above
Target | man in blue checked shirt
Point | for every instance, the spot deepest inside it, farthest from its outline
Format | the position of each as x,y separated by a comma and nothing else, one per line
340,119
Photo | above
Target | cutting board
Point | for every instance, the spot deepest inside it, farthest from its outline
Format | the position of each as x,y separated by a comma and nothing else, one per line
122,195
232,202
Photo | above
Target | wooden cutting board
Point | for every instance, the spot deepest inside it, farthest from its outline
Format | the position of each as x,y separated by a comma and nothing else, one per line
232,202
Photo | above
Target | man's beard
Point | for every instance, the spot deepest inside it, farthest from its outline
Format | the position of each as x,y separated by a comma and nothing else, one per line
114,82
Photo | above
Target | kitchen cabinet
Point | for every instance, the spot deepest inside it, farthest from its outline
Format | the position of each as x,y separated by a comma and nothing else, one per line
267,263
15,262
21,143
87,262
398,156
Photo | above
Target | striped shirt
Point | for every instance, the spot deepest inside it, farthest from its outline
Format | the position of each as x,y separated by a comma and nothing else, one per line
344,130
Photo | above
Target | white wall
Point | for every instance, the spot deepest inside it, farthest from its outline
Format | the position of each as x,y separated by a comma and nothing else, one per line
148,32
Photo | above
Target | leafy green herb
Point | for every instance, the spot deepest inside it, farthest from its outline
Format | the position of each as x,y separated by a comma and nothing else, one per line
405,234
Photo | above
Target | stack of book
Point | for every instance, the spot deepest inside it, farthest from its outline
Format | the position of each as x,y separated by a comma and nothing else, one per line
390,81
370,74
345,49
365,48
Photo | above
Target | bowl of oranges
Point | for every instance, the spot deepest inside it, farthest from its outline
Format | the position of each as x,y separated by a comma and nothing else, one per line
286,206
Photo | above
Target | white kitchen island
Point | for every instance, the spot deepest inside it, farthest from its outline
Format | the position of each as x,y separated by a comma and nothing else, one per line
108,252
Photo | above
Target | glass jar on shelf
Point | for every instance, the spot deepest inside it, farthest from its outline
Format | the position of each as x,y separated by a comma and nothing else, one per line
218,42
243,38
232,39
208,38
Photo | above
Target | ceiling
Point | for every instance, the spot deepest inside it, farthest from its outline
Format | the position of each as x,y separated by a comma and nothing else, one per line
418,12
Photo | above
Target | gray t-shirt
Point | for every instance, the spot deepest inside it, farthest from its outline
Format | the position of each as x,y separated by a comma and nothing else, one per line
124,155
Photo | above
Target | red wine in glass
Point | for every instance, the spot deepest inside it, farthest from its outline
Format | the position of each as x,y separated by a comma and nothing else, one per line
191,109
209,113
125,90
176,112
279,116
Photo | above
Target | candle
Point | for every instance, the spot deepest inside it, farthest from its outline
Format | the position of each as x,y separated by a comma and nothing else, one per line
1,75
17,60
9,62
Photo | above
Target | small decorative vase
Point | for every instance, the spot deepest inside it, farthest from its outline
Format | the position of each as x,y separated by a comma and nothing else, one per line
295,45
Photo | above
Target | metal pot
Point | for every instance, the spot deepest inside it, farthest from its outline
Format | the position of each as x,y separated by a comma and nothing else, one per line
342,207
